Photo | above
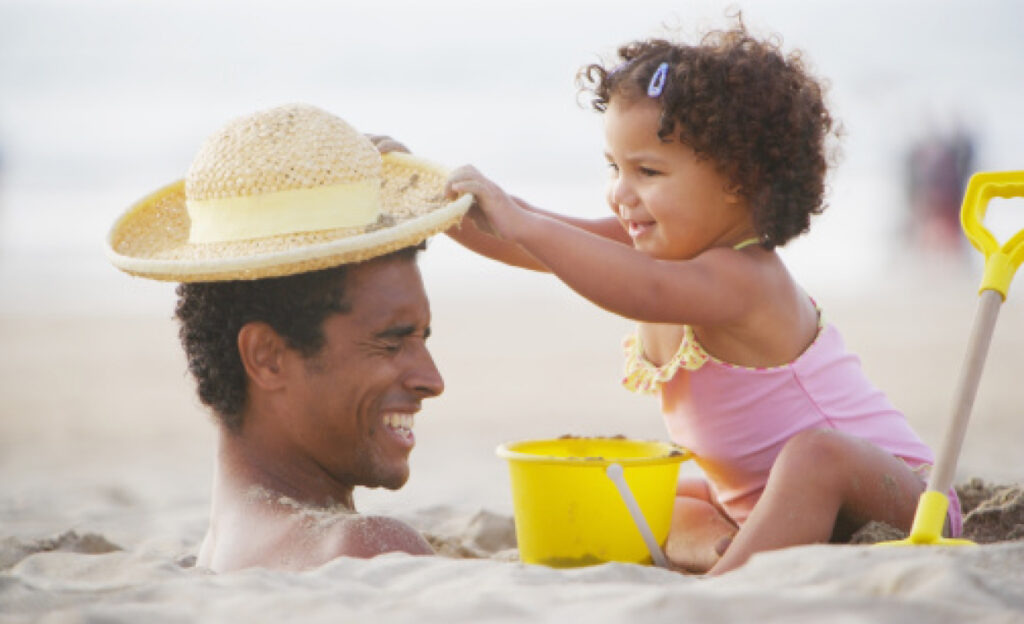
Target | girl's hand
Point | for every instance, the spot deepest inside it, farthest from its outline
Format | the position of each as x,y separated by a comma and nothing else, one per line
494,211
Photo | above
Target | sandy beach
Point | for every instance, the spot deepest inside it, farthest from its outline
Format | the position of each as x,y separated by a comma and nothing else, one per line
106,455
106,458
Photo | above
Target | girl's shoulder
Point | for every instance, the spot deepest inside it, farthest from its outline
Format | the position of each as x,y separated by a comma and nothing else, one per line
772,319
752,275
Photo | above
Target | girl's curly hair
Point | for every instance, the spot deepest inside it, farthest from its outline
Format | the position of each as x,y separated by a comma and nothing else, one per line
758,115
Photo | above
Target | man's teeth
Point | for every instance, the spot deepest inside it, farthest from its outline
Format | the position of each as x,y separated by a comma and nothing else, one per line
399,421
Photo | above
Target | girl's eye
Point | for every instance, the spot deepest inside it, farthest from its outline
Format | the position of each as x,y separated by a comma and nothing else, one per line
649,172
613,167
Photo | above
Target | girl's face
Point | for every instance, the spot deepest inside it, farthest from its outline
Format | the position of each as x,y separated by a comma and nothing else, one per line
673,205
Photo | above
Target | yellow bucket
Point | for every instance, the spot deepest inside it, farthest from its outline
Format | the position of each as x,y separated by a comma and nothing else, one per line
568,512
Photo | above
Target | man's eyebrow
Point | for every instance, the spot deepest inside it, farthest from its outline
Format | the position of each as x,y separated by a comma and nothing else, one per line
402,331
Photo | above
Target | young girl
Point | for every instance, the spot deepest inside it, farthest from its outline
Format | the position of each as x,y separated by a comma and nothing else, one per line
717,156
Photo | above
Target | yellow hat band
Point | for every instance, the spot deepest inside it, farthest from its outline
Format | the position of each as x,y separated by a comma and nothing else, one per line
353,204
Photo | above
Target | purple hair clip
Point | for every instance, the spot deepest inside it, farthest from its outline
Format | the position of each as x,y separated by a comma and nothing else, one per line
621,66
657,84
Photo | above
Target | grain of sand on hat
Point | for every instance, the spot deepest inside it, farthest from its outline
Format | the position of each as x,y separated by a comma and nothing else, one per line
282,191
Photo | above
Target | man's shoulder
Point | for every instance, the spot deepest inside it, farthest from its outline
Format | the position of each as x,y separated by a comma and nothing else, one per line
297,541
370,535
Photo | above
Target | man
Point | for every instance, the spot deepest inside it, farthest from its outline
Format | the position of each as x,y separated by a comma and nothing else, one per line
304,320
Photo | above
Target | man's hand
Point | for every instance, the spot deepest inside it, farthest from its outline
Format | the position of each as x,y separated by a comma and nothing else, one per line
385,144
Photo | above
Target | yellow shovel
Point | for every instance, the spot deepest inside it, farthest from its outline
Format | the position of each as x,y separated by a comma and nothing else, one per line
1000,265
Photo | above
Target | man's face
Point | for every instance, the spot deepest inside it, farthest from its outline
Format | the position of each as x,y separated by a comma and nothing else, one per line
355,404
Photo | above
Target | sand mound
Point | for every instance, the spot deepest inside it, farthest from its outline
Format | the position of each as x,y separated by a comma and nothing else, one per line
992,513
13,550
480,535
998,518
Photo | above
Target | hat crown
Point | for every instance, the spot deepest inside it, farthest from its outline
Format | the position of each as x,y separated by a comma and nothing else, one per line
281,192
290,147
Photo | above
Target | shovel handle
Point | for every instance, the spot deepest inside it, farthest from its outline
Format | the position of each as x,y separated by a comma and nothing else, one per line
1001,261
970,375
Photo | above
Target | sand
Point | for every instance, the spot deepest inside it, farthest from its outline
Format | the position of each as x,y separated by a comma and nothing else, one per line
105,459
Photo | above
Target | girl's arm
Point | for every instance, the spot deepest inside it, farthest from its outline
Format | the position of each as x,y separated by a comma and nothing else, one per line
483,242
710,289
486,243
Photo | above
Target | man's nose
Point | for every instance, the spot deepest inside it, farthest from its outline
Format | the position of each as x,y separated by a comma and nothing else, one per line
423,377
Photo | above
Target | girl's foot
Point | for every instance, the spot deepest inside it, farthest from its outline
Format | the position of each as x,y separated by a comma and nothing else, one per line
699,536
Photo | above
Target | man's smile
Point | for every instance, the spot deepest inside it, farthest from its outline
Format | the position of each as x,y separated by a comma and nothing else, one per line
400,425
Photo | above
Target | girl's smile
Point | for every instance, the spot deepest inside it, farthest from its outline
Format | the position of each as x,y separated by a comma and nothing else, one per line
638,229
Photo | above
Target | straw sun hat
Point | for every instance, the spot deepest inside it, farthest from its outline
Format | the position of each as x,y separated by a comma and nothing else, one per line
282,191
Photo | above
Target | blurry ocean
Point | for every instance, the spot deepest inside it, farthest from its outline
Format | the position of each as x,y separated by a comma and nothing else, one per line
102,102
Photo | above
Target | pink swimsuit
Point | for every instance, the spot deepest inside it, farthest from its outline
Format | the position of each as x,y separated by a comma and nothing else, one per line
737,419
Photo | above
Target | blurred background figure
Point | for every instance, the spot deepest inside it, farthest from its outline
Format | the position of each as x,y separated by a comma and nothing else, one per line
937,169
2,198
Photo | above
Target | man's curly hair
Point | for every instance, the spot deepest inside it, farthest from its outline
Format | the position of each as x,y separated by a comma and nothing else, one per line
757,114
212,313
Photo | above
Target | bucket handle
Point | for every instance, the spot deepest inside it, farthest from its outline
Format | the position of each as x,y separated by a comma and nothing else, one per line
615,473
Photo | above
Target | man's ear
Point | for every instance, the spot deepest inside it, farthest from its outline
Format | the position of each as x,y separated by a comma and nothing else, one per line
263,353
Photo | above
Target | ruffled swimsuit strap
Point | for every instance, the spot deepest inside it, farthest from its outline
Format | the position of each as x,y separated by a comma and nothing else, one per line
644,377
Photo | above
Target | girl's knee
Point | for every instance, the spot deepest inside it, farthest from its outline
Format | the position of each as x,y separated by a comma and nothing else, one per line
815,453
860,477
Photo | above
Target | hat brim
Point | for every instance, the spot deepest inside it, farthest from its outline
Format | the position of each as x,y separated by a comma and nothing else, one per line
151,238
